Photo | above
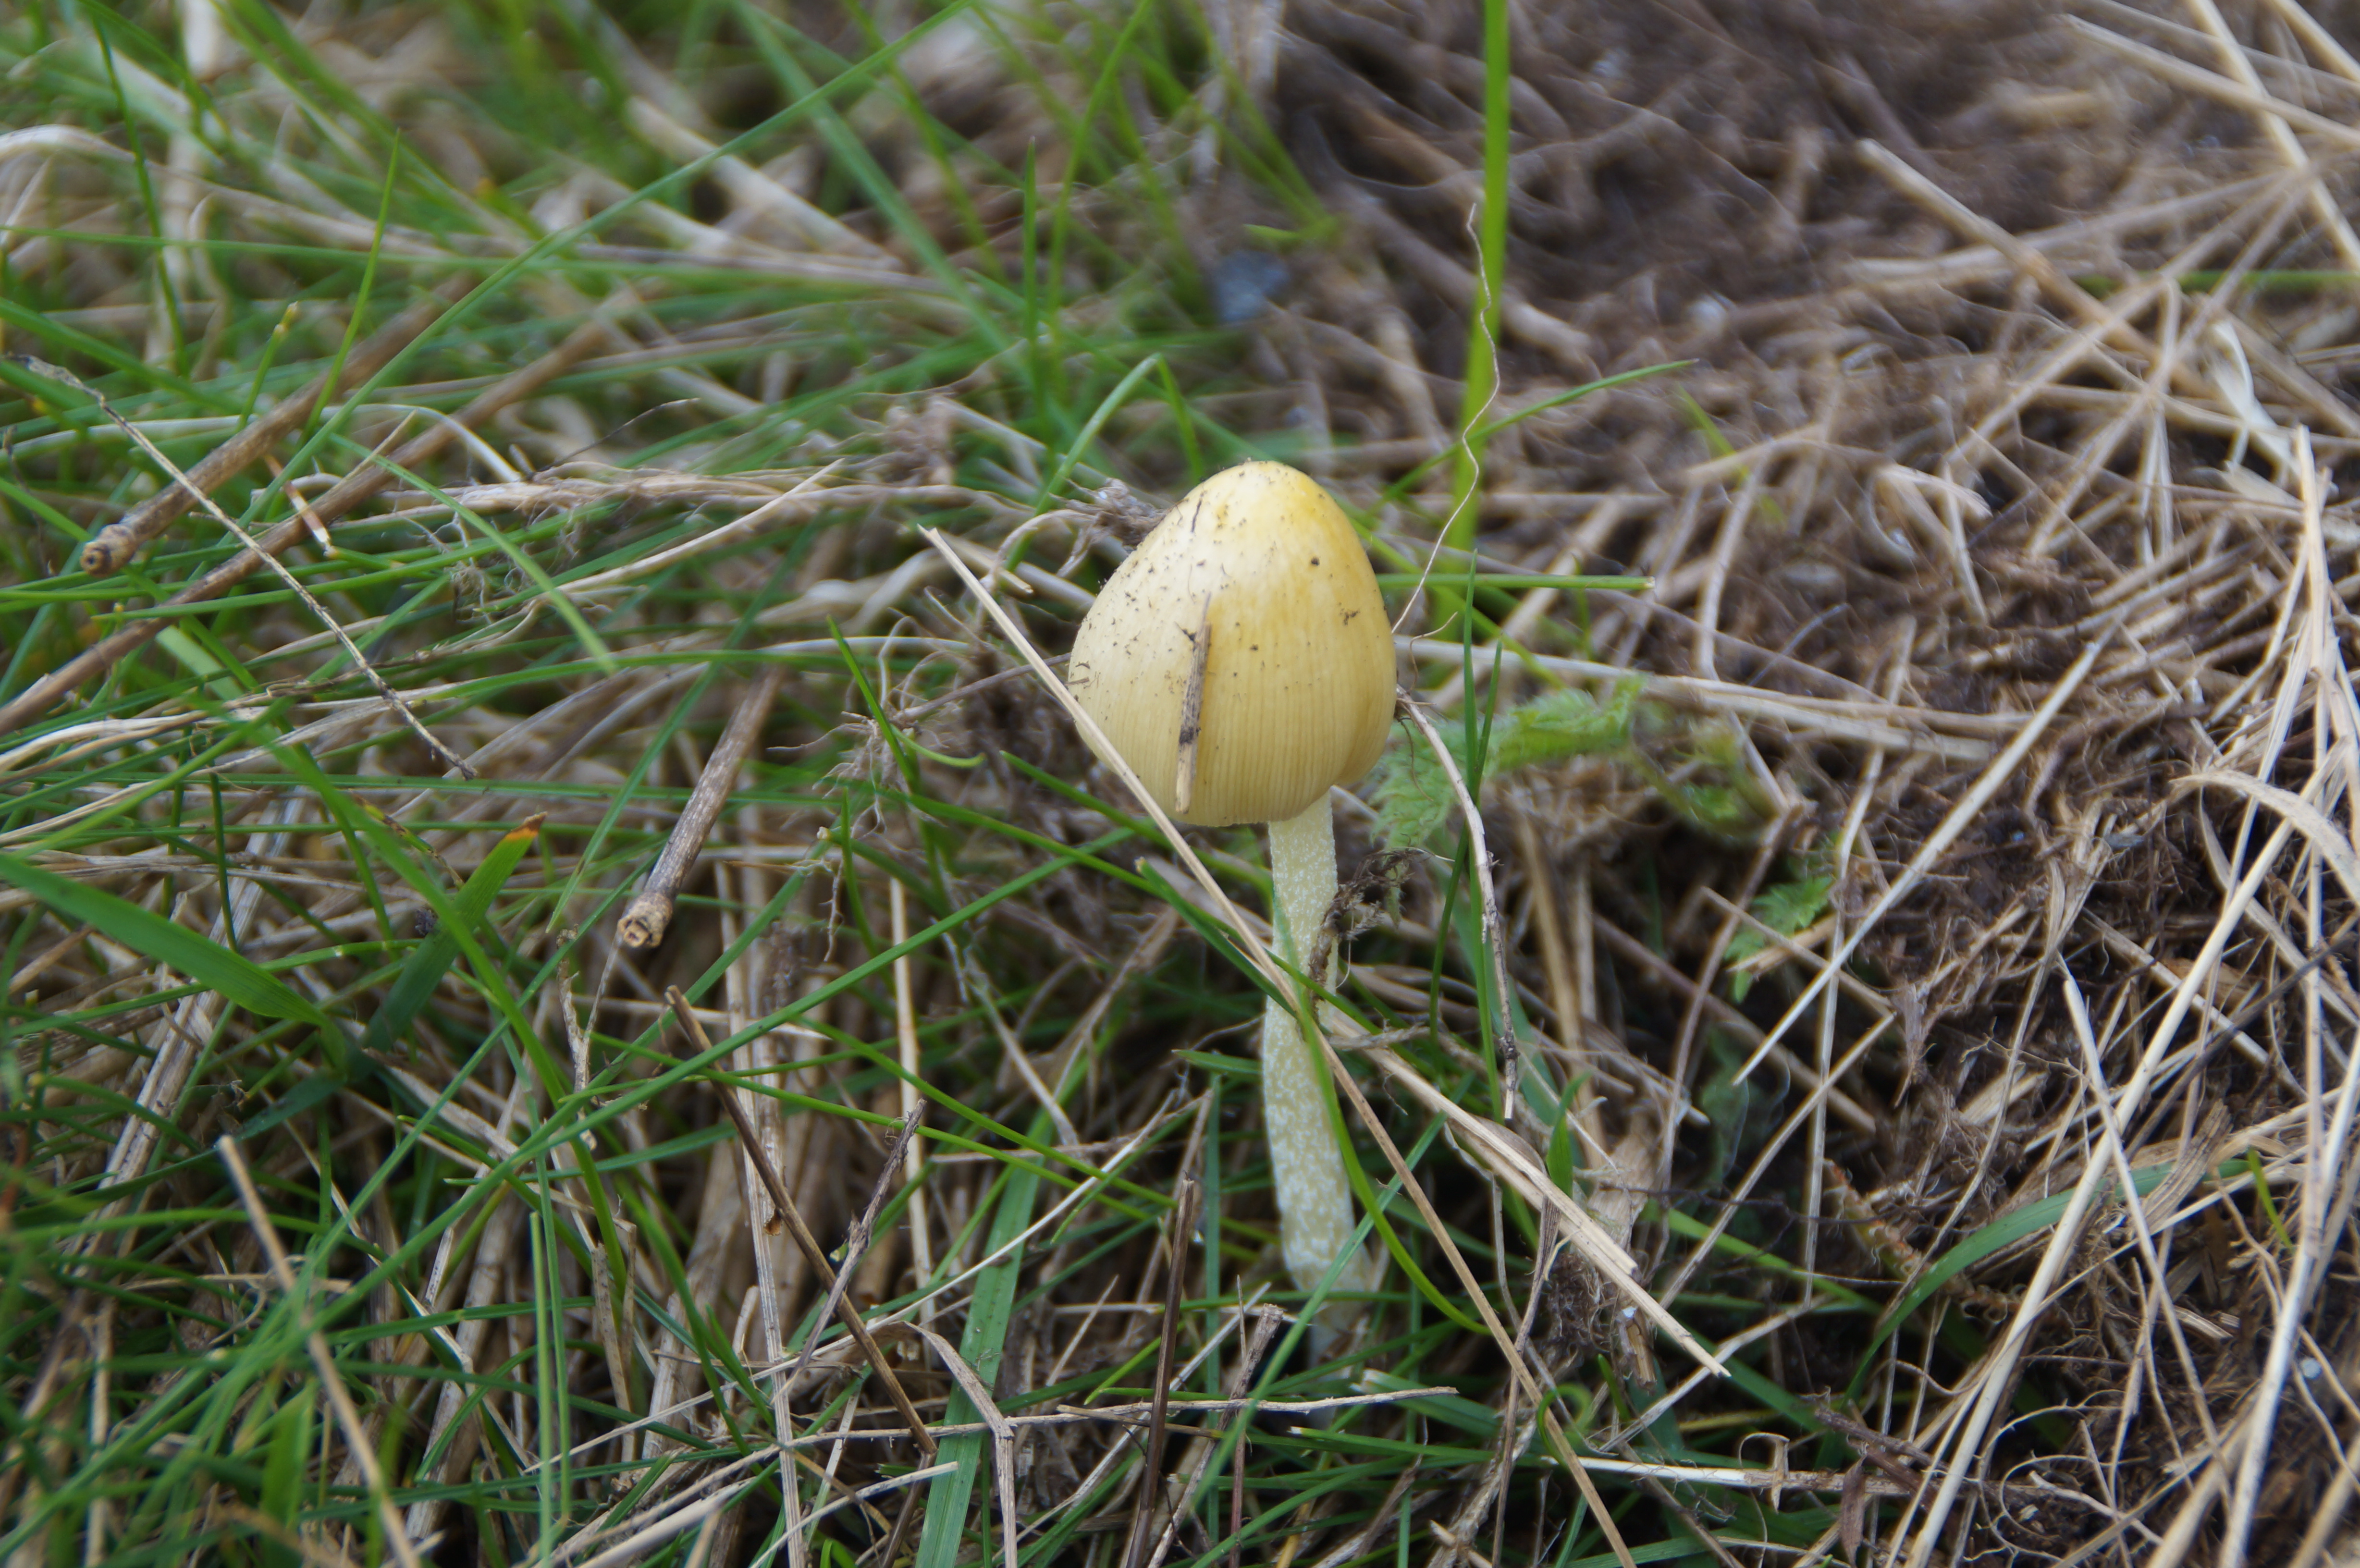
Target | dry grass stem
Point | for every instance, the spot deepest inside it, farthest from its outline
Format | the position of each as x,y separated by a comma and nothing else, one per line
649,915
575,539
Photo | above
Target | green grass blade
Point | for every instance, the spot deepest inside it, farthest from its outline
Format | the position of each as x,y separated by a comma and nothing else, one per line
241,981
2001,1233
981,1346
424,972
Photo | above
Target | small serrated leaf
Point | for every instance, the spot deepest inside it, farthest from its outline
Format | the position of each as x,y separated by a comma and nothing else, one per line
1413,794
1786,908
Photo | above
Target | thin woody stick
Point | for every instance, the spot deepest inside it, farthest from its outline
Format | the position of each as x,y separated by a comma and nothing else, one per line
1143,1507
914,1159
448,757
814,1254
855,1245
644,923
114,547
355,488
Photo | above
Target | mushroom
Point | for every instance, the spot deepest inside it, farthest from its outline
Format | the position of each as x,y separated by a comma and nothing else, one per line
1242,663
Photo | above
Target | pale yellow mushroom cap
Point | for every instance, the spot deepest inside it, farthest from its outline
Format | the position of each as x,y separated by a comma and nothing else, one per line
1298,675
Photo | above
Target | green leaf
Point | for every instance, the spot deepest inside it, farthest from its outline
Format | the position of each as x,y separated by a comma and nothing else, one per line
419,978
1414,797
1214,1062
207,664
316,1090
241,982
1786,908
1709,782
414,986
2003,1232
981,1346
1563,725
282,1477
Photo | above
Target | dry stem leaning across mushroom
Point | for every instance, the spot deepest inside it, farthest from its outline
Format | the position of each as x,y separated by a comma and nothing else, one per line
1242,663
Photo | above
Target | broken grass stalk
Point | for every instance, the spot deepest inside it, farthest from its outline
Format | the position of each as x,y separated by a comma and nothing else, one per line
116,546
650,915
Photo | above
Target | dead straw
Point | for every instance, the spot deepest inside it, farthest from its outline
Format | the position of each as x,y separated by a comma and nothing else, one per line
814,1255
649,915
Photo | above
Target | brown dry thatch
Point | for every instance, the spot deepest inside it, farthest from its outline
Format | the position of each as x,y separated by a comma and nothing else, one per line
2004,579
1976,473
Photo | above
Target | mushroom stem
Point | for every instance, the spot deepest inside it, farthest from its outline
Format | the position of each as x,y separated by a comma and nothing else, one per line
1314,1198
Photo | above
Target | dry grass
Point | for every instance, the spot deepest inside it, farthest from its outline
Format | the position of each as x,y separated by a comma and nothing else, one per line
1937,970
1955,475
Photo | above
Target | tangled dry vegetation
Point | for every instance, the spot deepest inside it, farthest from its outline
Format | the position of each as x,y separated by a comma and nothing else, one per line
1921,922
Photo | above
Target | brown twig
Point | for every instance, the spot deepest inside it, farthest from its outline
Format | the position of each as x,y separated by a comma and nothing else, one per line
814,1254
856,1241
644,923
448,757
355,488
116,546
1143,1513
892,1552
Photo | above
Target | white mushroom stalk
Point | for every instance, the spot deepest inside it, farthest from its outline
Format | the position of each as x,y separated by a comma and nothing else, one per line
1315,1196
1242,663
